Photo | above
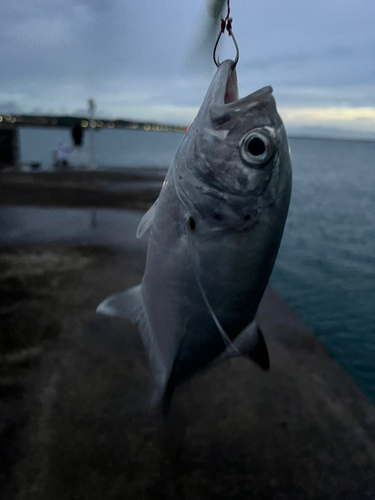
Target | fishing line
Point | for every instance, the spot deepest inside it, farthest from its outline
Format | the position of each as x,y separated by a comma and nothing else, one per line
227,341
190,226
228,11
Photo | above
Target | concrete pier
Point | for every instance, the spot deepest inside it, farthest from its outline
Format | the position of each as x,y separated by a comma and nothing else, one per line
76,419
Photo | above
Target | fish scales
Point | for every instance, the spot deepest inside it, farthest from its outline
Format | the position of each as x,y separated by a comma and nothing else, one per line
215,231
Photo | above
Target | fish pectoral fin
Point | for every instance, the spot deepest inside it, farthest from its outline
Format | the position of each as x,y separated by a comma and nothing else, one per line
128,304
147,220
251,344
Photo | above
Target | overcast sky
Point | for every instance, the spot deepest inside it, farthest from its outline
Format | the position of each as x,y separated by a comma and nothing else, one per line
134,57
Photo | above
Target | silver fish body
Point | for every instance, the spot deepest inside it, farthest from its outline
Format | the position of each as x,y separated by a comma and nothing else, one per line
215,232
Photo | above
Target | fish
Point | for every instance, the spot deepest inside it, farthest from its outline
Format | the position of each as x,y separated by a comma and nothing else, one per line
214,234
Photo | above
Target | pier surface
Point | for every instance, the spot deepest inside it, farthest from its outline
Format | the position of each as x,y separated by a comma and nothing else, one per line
75,388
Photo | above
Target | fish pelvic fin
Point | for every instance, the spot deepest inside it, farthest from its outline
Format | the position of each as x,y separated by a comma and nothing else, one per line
130,305
251,344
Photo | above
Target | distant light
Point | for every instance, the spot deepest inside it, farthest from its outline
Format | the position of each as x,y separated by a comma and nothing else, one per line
92,123
13,119
135,126
1,118
99,123
147,126
84,123
111,125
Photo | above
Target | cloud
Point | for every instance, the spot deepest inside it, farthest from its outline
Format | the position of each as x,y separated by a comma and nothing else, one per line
349,96
131,56
37,34
9,108
282,60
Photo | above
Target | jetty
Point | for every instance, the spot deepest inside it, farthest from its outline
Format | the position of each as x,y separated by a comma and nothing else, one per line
76,413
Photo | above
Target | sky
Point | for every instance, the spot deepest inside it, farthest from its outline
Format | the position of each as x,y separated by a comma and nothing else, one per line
145,59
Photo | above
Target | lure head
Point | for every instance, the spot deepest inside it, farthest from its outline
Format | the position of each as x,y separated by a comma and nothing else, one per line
235,157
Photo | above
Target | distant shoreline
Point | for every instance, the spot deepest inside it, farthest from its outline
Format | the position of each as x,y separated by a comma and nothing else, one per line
67,122
322,138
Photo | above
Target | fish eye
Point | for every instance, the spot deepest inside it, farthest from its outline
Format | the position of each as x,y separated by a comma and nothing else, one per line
257,147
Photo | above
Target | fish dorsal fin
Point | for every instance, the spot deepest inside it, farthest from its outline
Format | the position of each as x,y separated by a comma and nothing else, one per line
147,220
231,348
130,305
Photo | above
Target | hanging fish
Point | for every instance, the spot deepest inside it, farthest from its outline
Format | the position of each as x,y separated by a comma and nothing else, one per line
215,233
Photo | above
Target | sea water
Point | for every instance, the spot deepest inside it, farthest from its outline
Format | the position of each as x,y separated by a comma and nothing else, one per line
113,148
326,265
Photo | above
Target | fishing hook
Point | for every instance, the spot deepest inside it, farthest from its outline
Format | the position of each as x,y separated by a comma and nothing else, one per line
226,24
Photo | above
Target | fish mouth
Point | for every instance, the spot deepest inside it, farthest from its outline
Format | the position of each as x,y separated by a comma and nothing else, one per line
230,97
222,96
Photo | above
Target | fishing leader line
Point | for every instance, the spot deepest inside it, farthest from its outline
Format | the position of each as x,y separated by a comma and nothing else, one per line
230,346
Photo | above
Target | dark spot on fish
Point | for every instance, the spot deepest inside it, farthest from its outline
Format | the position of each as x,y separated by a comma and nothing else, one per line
247,217
218,216
256,146
191,223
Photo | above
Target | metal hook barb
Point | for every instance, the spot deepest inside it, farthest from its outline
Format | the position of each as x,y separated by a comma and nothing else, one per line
226,24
